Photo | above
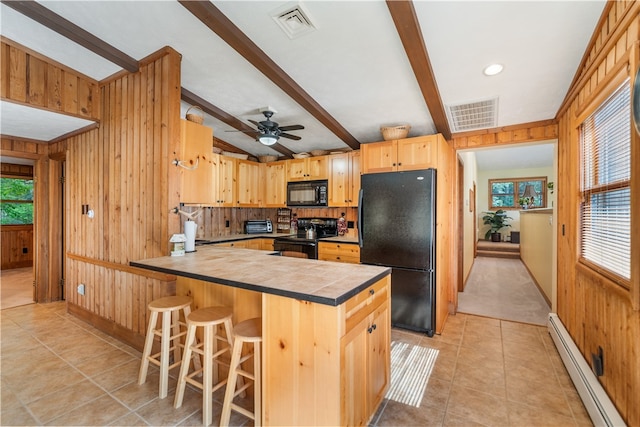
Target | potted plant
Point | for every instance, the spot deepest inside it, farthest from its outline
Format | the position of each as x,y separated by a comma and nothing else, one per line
497,221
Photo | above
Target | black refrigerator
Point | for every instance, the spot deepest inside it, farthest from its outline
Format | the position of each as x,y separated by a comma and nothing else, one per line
396,226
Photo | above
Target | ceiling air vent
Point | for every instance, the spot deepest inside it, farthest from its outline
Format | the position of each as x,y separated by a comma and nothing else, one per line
473,115
294,20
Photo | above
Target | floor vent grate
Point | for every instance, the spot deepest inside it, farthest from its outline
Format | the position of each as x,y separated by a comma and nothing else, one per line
473,115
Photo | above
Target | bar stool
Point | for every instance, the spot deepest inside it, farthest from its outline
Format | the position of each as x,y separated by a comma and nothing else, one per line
170,308
209,318
249,331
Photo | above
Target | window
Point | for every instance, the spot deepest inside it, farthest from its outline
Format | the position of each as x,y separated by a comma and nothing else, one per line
605,211
16,205
507,193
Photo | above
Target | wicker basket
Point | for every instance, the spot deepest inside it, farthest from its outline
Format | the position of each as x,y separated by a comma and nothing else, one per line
395,132
196,118
267,158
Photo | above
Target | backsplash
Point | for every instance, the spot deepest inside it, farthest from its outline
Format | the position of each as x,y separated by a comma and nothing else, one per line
215,222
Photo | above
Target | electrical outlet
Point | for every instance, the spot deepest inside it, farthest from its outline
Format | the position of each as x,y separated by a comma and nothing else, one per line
81,288
25,250
226,223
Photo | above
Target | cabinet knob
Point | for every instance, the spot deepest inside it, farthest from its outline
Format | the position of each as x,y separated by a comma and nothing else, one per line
371,291
371,328
393,164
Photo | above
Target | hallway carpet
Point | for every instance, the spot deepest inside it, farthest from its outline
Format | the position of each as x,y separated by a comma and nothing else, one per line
503,289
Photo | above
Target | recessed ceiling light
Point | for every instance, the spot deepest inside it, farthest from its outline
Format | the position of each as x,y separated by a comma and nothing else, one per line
493,69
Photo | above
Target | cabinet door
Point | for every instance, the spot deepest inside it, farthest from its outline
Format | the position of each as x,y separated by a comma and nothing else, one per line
248,178
378,354
339,180
379,157
354,177
353,372
297,170
227,185
276,185
317,167
417,153
197,184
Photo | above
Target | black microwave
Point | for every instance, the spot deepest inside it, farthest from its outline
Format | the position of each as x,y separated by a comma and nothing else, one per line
307,193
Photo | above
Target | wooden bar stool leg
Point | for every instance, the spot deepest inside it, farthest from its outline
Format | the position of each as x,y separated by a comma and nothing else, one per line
208,375
257,385
146,352
196,357
184,368
164,356
230,390
175,322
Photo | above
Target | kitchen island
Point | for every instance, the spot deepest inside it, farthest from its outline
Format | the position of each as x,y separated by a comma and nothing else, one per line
326,327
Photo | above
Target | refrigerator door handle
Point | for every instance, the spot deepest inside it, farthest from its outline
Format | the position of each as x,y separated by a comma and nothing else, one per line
360,225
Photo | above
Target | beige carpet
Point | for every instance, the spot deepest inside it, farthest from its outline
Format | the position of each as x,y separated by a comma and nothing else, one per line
16,287
503,289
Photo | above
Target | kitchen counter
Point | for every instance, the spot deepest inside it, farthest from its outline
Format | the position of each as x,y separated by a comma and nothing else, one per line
239,237
341,239
320,322
307,280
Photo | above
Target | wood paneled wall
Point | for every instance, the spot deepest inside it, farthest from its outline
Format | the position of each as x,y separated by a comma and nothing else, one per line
597,312
517,134
29,78
16,238
123,172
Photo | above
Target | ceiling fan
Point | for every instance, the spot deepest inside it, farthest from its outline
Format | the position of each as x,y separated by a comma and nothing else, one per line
269,132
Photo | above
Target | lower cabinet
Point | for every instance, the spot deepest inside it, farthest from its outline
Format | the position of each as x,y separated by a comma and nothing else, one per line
262,244
366,370
339,252
335,362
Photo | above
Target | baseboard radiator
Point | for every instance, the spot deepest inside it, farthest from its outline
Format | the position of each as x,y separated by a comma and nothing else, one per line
595,399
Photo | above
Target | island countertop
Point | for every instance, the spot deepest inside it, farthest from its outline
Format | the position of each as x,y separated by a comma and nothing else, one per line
317,281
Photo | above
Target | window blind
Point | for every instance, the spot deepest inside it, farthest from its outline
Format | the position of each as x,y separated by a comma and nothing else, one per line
605,229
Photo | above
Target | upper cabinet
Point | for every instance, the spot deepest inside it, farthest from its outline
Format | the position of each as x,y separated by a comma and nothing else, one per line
200,164
225,190
400,155
308,169
344,179
275,184
248,182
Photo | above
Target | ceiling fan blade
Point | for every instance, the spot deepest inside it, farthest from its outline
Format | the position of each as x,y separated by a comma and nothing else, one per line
291,127
244,131
288,135
254,122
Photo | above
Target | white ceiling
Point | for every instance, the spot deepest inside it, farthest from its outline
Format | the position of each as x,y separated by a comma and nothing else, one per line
354,64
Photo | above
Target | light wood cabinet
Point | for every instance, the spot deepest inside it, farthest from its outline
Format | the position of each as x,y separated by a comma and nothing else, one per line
275,186
308,169
336,359
225,191
344,179
339,252
366,353
400,155
263,244
198,184
248,181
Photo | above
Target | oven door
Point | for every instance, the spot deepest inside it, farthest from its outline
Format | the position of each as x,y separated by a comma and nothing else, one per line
300,249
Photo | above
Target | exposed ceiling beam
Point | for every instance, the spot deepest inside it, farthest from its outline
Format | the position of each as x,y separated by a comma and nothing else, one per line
71,31
217,22
212,110
406,21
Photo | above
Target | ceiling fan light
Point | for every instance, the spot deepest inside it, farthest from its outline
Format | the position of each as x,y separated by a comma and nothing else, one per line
268,139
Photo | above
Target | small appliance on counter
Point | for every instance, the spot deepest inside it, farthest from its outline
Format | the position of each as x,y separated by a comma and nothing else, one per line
258,226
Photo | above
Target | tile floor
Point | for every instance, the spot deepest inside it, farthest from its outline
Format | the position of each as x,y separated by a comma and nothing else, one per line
57,370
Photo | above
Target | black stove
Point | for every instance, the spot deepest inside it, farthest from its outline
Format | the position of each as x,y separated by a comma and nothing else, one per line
324,227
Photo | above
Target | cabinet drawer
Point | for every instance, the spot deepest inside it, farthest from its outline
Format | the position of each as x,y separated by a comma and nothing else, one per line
339,252
363,304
